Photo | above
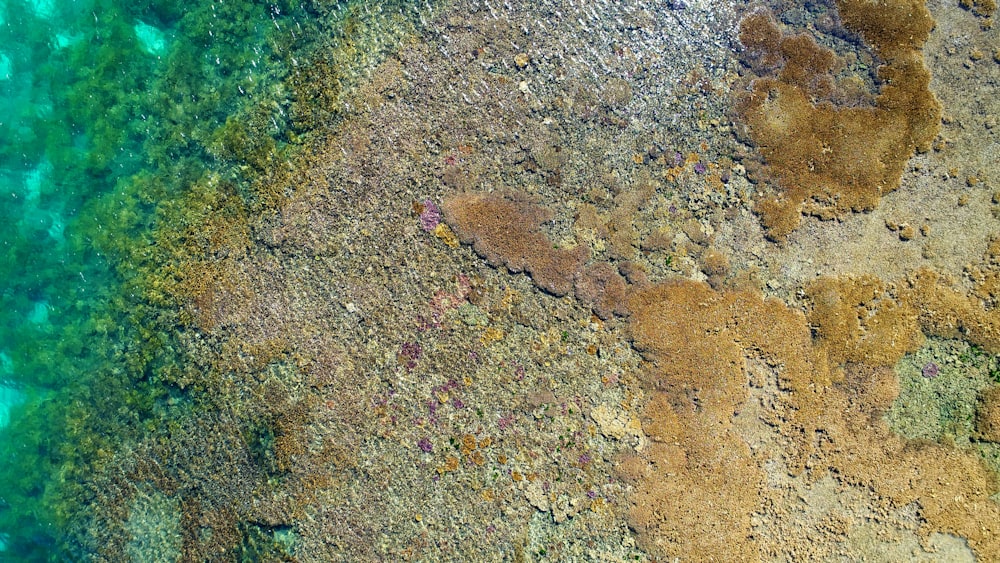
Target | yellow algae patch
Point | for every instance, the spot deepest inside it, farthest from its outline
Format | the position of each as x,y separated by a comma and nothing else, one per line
988,415
827,159
858,320
865,320
873,323
491,335
443,232
984,8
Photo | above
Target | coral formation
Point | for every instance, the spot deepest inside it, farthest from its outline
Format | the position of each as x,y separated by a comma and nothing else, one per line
827,160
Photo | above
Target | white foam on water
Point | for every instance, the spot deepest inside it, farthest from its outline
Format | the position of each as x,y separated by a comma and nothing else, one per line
6,365
151,39
9,398
57,228
34,179
34,215
43,110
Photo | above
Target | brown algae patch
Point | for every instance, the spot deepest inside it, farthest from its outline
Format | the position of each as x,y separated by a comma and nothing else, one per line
507,232
827,158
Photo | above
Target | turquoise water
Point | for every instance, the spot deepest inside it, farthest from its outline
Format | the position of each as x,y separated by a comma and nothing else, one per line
107,109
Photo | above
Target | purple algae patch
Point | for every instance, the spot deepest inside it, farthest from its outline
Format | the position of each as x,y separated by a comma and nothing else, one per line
430,217
409,353
425,445
411,350
930,370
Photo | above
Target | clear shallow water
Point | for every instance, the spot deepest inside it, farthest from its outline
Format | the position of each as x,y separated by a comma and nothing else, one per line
108,109
55,160
41,157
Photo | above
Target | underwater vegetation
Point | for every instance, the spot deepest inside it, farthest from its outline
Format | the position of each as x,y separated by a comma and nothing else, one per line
307,344
155,117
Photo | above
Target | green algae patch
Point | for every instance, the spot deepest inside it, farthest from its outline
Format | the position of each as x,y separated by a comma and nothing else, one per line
941,387
938,389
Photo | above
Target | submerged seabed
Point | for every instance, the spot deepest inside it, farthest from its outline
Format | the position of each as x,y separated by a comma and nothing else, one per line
241,322
119,117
